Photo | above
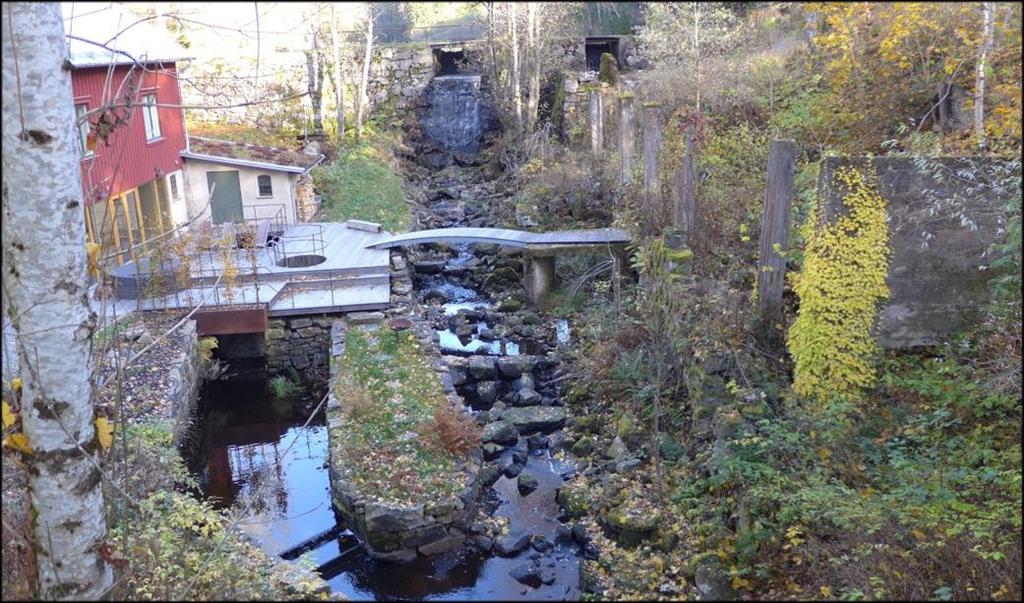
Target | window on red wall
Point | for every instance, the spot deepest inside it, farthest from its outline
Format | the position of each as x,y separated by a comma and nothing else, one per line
151,117
83,130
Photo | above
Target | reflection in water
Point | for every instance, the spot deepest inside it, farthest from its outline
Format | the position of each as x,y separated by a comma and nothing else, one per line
244,436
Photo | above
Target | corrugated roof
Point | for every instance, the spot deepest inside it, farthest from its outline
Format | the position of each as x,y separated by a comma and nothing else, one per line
105,33
252,153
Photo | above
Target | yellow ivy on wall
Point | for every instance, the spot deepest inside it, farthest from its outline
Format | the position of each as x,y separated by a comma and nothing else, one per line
840,287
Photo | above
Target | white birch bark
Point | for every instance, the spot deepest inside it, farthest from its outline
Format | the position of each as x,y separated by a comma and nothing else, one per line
339,77
533,45
362,99
44,280
516,92
979,80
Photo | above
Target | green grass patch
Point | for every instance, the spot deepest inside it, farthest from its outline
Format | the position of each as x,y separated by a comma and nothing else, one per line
389,395
360,184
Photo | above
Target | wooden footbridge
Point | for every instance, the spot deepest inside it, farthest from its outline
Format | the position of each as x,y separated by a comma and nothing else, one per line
540,247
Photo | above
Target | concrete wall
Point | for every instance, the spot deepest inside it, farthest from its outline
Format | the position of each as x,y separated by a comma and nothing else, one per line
283,184
298,342
938,277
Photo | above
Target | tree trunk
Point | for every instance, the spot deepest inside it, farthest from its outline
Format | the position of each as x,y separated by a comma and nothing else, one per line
516,93
315,80
490,45
696,8
979,80
44,260
533,100
339,77
361,99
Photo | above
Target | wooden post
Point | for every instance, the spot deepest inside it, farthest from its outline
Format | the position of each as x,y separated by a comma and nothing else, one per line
627,119
778,197
651,219
596,123
686,194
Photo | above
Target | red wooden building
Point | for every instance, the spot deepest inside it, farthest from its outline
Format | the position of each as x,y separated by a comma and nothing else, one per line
132,133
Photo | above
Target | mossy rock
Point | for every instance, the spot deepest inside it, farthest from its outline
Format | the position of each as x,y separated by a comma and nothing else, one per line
632,529
609,72
583,446
574,500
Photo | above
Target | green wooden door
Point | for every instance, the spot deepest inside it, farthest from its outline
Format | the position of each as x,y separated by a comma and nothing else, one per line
226,200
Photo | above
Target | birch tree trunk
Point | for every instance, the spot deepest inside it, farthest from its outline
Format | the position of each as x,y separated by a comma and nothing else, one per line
339,78
516,92
979,79
361,99
533,45
315,80
44,264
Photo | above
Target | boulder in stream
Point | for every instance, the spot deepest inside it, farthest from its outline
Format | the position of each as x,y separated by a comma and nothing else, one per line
528,419
510,545
502,432
526,484
481,367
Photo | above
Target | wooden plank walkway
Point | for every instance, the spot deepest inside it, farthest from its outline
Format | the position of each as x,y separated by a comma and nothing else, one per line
506,237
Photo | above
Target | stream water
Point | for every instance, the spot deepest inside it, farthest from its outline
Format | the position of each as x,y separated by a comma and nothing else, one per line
253,451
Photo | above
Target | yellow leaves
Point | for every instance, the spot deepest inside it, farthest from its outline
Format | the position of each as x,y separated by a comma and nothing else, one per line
826,592
918,534
824,454
16,385
842,282
104,432
92,251
15,439
9,418
18,441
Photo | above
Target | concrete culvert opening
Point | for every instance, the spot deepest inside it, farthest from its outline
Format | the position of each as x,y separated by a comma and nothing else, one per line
595,47
448,62
301,261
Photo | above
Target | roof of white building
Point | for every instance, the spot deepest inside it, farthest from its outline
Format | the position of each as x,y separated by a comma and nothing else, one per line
104,33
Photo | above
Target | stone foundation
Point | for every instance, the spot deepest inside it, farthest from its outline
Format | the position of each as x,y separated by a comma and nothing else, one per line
185,381
298,342
394,532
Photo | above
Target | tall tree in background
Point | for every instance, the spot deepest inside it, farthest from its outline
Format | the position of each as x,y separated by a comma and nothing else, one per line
517,96
44,263
533,50
987,8
686,34
315,77
339,78
361,98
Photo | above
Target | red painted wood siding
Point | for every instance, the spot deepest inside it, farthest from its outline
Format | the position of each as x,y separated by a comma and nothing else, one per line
130,160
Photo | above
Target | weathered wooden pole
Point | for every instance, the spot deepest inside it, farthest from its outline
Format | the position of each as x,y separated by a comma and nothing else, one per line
651,219
627,125
596,122
778,197
685,208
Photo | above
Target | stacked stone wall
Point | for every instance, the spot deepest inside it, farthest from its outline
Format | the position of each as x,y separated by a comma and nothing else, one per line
185,381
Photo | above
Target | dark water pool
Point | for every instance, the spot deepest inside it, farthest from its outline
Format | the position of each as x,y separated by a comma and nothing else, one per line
251,450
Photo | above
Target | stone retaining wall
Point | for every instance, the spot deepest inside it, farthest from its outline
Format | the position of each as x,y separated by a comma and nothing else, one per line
395,532
185,381
298,342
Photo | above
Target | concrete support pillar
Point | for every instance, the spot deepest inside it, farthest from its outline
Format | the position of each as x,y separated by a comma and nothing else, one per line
596,123
651,219
627,125
539,279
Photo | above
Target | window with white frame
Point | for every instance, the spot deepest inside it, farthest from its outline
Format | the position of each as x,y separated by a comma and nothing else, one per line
265,188
151,117
83,129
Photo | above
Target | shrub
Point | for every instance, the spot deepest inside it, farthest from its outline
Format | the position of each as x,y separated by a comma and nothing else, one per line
448,430
284,387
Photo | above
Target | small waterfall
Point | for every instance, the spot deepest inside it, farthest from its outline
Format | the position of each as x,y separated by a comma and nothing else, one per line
455,117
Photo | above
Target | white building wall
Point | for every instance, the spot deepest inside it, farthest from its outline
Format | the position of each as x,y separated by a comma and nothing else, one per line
282,183
179,207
